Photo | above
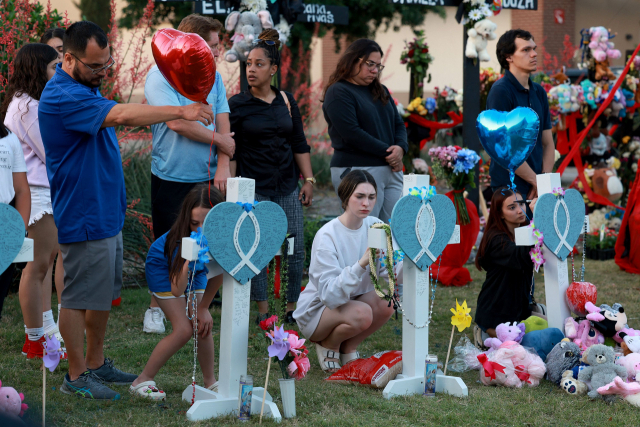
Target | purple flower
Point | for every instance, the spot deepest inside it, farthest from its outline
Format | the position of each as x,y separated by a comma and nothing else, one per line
52,352
280,346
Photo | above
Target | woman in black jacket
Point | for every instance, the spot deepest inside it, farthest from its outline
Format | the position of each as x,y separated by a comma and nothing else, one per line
506,291
271,148
365,127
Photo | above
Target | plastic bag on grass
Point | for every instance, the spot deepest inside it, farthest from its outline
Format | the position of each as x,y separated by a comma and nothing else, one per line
465,356
374,372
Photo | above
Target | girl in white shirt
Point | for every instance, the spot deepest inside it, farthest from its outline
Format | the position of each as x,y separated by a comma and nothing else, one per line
339,307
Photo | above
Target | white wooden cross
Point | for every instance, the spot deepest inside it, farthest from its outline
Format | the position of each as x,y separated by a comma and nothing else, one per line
234,332
556,273
415,302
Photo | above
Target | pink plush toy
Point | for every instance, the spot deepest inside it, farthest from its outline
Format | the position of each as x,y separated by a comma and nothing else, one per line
583,333
631,363
505,332
11,402
601,47
530,368
497,369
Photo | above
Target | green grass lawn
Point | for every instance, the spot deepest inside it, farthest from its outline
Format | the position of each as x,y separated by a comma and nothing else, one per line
318,403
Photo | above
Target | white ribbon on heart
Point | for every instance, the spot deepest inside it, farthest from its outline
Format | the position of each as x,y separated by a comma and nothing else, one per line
425,248
563,236
245,259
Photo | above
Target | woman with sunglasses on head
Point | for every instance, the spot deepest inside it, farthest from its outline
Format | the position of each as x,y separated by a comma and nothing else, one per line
365,127
506,291
271,148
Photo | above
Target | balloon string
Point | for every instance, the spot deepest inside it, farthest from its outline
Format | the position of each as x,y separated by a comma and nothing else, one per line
209,165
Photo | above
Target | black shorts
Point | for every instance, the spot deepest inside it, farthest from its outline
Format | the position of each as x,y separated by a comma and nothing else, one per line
166,200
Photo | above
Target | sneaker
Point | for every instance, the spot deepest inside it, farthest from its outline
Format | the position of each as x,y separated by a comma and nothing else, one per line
110,374
36,349
289,318
154,321
88,386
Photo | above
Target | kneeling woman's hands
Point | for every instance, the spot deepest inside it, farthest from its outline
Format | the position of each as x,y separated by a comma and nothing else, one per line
364,261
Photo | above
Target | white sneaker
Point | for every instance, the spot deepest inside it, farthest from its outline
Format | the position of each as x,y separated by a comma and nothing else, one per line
154,321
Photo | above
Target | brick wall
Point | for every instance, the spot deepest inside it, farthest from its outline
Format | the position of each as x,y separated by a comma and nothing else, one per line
541,24
329,56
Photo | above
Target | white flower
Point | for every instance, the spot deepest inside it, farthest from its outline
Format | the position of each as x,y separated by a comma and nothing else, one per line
253,5
634,167
475,15
477,2
486,11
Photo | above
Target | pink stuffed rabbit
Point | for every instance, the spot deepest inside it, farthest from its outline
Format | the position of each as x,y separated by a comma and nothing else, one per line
583,333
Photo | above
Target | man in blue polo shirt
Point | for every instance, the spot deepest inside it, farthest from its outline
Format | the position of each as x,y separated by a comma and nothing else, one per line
84,168
186,153
516,52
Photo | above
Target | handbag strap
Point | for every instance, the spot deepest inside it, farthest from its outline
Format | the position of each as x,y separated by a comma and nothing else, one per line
286,101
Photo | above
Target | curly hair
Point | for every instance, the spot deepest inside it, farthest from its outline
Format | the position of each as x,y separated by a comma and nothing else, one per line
269,41
29,74
358,51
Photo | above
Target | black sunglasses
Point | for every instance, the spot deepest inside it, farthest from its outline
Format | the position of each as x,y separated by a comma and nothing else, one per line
267,42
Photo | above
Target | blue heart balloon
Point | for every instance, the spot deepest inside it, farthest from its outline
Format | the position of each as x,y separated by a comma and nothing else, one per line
508,137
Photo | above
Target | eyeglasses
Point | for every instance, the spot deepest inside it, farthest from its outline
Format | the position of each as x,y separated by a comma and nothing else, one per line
97,70
373,65
267,42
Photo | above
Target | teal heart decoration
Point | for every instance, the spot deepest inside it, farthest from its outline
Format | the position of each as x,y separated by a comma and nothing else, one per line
423,227
11,235
508,137
560,219
244,239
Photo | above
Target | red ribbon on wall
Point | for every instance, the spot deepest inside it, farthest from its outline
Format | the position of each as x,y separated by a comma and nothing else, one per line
575,153
434,126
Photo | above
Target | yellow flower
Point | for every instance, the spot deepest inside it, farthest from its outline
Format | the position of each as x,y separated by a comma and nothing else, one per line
626,139
461,317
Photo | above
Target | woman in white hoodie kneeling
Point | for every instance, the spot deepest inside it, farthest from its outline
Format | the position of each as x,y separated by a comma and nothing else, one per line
339,307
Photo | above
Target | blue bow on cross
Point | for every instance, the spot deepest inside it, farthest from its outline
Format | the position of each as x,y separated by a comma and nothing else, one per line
423,193
247,206
201,240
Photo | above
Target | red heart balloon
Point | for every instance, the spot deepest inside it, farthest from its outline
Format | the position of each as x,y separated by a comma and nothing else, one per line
186,61
578,294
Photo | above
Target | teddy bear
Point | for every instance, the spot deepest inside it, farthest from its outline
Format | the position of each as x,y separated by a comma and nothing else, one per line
246,27
11,402
505,332
572,385
529,366
601,47
563,357
607,320
583,333
606,183
601,370
603,70
588,90
482,31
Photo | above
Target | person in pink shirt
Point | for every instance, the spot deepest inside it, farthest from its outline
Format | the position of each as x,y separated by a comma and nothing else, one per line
34,65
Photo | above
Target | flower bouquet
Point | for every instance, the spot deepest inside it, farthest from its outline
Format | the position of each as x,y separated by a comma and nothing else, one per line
477,10
291,354
417,58
456,165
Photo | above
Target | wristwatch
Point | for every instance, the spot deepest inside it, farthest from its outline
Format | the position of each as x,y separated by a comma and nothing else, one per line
312,180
